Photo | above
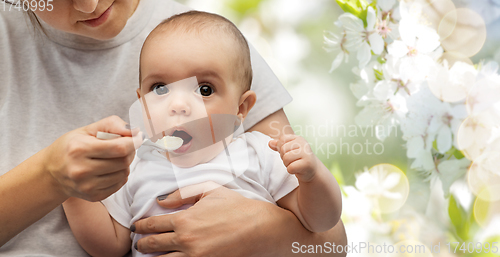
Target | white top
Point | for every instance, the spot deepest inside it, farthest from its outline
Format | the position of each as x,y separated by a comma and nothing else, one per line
51,86
249,167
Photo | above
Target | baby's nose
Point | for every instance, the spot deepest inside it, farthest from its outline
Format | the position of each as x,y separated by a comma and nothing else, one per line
179,108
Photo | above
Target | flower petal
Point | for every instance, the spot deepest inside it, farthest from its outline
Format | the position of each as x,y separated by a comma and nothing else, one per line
369,116
450,171
407,30
351,22
398,49
428,39
386,5
337,61
414,146
384,89
364,54
444,139
427,160
377,43
359,89
371,19
391,195
391,181
363,180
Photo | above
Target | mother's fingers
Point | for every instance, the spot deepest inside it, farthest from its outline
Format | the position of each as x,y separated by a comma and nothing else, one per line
113,148
154,224
175,200
104,193
112,124
188,195
102,167
108,180
174,254
164,242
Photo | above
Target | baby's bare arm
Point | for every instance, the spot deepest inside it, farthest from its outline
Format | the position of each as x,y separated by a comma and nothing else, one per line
95,230
317,202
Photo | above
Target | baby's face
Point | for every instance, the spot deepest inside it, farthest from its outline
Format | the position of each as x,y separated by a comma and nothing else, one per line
186,78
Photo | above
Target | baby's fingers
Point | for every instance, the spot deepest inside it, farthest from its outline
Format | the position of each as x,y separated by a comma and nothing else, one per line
293,145
290,157
273,144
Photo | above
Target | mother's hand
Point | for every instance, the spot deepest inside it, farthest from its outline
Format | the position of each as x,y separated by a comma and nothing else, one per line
90,168
224,223
214,226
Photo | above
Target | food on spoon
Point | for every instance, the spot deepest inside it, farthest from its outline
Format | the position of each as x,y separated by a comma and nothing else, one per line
170,143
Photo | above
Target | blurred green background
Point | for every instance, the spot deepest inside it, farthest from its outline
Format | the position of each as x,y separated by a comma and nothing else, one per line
289,35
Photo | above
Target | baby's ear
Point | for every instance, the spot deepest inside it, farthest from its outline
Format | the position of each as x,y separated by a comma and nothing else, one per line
138,91
247,101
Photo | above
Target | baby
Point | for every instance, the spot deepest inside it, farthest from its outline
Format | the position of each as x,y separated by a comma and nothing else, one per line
195,77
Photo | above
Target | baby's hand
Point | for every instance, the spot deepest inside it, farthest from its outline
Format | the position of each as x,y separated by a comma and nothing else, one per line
297,156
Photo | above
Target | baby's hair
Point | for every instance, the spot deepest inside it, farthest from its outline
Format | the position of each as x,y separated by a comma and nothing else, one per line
198,22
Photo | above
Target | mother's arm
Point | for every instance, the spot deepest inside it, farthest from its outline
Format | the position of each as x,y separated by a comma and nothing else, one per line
27,193
76,164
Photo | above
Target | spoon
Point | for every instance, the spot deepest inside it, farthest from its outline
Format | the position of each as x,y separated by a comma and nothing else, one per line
167,143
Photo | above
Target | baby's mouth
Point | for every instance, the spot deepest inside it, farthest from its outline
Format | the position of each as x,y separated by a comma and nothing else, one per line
186,138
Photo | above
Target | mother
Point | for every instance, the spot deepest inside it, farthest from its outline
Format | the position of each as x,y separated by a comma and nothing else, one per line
79,65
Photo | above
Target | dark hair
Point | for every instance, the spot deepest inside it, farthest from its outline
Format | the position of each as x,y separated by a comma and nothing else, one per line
196,21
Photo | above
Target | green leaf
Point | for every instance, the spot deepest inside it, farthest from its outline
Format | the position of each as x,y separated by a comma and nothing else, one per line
243,6
455,152
458,154
472,225
364,13
355,7
381,60
459,218
379,75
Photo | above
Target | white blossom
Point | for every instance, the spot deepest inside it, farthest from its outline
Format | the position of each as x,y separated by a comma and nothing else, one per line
445,123
376,183
392,83
388,16
452,85
364,87
362,39
335,43
382,114
416,47
451,170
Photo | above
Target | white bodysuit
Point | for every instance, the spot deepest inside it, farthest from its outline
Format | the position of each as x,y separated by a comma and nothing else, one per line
249,167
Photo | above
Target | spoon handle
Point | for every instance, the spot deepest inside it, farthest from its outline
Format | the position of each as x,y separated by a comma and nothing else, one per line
106,136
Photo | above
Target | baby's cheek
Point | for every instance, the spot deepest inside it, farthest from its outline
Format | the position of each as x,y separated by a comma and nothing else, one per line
159,121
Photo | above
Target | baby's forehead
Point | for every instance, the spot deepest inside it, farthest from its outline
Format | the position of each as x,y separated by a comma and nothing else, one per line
172,33
188,41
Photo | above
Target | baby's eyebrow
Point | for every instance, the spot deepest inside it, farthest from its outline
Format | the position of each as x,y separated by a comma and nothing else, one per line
208,73
151,77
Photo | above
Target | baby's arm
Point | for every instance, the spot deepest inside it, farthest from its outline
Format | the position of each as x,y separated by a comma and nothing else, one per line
96,231
317,201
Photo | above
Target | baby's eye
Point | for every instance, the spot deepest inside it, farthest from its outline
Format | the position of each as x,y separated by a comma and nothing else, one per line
205,90
160,89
